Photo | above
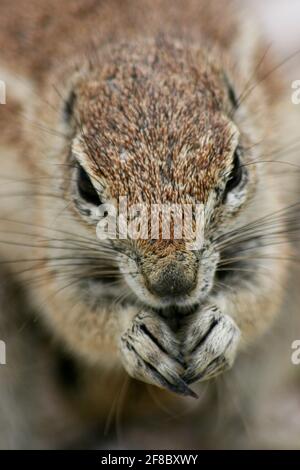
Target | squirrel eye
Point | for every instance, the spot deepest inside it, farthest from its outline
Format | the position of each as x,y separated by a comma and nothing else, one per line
86,188
236,174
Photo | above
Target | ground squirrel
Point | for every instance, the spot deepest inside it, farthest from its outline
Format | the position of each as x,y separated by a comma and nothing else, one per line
162,103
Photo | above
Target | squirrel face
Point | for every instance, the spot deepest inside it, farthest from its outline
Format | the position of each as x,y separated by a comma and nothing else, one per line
153,125
182,122
158,122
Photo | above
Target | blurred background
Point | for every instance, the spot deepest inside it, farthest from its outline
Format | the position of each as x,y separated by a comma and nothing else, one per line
277,418
281,22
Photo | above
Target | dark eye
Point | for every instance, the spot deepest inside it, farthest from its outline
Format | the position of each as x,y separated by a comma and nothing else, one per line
86,188
236,174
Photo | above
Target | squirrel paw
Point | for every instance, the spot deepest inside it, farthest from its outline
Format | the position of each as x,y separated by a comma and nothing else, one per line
150,353
211,345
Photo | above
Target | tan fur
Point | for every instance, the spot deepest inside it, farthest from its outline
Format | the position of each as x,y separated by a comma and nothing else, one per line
148,80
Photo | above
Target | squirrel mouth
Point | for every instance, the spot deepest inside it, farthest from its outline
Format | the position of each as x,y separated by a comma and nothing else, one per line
176,316
177,310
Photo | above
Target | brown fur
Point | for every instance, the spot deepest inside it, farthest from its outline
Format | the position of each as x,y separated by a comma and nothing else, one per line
39,37
149,80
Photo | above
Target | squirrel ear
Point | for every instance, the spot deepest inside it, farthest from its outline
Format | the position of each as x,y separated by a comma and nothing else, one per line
254,58
249,48
237,33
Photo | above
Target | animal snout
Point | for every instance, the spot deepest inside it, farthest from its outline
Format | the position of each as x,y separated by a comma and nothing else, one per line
173,280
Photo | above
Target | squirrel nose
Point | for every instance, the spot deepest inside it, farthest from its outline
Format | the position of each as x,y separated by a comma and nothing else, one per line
172,281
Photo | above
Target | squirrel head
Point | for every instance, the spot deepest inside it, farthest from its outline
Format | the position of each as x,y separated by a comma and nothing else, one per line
156,123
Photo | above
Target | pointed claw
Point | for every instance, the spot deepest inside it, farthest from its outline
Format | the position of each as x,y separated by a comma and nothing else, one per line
177,385
181,388
191,378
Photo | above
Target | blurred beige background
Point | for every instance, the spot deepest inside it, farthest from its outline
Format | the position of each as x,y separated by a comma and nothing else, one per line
281,22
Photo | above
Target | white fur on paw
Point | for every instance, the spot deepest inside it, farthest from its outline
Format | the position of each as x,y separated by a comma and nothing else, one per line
211,345
150,353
